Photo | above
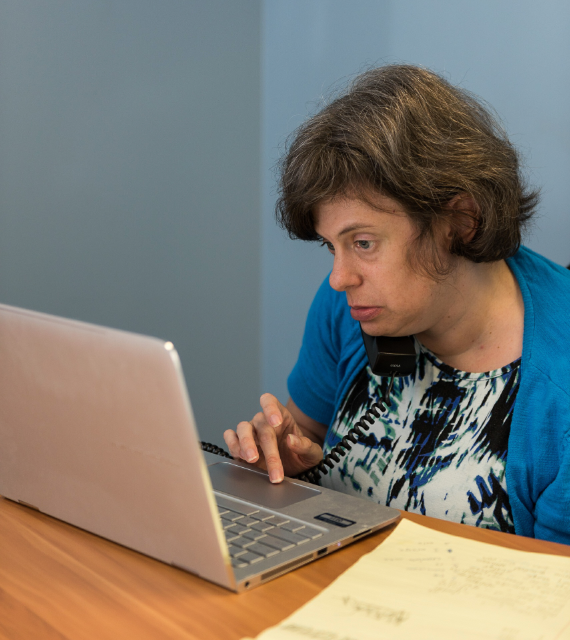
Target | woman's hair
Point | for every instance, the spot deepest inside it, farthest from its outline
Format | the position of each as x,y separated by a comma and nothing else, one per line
406,133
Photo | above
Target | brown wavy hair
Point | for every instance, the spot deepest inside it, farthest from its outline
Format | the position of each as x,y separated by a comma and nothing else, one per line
407,133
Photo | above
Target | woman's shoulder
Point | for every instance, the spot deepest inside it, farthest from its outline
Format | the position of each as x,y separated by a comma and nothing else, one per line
539,271
545,288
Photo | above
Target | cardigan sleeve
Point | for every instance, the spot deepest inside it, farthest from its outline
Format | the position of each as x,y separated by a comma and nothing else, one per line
313,382
552,509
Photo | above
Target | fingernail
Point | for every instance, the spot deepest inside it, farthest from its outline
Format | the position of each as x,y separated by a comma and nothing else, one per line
250,455
275,420
275,476
294,440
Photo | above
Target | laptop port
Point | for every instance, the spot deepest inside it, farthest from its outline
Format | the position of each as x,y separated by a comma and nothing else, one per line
321,552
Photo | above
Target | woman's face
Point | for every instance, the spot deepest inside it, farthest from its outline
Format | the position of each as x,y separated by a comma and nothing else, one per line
370,248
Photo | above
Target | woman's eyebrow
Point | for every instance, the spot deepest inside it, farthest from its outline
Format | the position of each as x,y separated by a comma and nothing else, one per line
354,227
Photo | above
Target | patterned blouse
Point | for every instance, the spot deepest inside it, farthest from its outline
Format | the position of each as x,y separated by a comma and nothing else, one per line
440,449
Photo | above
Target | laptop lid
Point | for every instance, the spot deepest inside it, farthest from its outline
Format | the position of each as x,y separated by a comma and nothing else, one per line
96,429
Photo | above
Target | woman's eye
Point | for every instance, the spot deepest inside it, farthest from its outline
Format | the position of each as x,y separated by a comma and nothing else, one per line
328,245
363,244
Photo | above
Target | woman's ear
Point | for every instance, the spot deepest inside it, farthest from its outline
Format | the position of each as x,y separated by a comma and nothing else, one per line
464,218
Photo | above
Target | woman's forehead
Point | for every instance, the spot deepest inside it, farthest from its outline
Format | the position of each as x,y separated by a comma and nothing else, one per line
340,216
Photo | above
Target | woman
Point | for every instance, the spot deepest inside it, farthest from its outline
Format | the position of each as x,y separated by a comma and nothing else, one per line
417,193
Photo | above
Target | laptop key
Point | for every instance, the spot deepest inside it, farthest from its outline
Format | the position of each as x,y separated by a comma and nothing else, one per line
263,550
243,542
277,543
230,536
250,558
226,524
237,528
235,551
244,509
264,515
238,563
289,536
253,535
311,533
232,515
262,526
292,526
308,532
238,507
276,520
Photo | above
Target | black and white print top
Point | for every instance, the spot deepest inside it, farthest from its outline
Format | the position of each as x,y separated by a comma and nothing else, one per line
440,449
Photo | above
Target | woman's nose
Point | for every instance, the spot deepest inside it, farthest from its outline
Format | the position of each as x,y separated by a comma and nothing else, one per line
343,275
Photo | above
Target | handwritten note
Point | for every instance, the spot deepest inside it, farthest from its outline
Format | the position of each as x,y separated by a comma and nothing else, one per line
421,584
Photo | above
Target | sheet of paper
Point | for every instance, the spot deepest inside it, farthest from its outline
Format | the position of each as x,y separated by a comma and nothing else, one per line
421,584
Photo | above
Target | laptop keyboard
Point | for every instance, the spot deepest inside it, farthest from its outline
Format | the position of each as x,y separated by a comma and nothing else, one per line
254,534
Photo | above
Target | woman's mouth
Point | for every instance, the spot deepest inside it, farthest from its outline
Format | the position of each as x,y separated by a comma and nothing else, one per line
364,314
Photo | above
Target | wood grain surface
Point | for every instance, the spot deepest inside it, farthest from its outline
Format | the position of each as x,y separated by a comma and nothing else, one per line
58,582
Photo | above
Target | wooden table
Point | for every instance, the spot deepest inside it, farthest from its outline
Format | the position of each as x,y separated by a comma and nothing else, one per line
58,582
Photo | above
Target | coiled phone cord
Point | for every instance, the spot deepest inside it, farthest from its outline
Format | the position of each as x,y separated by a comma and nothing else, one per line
212,448
313,474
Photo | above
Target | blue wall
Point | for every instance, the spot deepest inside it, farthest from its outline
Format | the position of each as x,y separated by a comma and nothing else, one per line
516,56
513,54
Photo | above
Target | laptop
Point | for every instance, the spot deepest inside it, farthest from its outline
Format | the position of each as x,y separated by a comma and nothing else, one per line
97,430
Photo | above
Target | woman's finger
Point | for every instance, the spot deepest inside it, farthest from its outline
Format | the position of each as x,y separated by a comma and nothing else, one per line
267,439
272,409
309,452
247,446
232,442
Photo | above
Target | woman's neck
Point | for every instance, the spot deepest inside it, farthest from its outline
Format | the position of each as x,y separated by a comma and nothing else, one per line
483,327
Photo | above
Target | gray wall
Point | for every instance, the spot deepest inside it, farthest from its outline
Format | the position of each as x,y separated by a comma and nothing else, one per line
130,178
513,54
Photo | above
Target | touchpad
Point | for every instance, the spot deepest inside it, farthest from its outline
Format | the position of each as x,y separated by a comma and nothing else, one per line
255,486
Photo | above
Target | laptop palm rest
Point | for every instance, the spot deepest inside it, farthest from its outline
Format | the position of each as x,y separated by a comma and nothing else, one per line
254,486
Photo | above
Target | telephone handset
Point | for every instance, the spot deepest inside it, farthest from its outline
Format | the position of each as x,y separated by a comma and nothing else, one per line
387,357
390,356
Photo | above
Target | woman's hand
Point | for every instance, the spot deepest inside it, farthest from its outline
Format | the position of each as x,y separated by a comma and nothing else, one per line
274,440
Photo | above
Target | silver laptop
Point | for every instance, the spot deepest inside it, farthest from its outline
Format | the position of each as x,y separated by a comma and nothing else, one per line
96,429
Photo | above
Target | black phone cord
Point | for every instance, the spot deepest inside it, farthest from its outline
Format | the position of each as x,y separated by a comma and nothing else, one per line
212,448
313,474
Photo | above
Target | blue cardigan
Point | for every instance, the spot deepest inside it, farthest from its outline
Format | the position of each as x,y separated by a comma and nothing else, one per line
538,458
